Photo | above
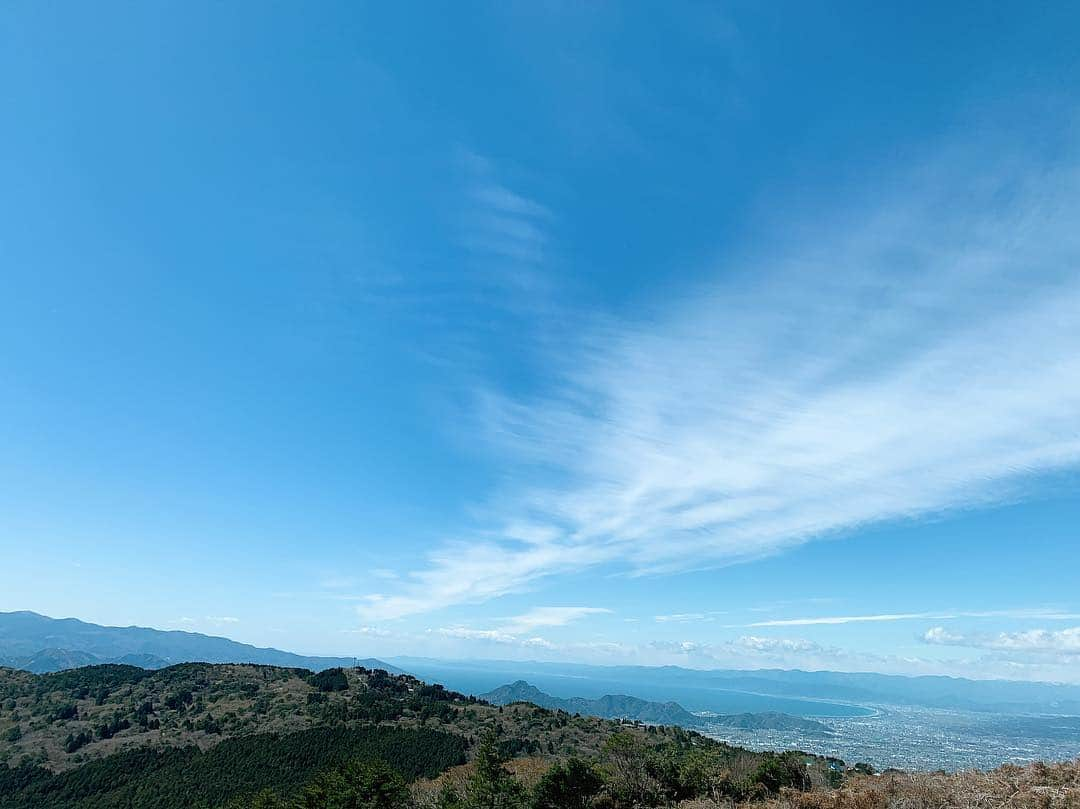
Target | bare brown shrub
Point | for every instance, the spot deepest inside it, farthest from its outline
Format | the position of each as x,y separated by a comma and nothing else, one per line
1037,786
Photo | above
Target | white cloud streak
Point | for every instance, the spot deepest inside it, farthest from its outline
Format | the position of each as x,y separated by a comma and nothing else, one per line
548,616
680,618
501,227
922,355
209,620
494,636
372,631
687,617
1020,614
510,631
842,619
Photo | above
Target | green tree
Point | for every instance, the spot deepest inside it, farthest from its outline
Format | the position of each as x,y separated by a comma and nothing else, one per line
491,786
368,784
706,773
266,799
628,763
449,799
784,770
573,785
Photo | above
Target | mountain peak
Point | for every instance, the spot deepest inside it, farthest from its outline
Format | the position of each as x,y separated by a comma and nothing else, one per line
41,644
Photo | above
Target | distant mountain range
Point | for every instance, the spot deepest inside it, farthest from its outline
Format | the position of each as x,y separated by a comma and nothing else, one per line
620,706
735,691
40,644
607,707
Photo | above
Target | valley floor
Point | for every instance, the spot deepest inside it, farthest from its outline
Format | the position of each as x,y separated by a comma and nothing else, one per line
914,738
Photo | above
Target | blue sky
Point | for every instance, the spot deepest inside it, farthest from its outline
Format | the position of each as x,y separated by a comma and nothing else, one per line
708,334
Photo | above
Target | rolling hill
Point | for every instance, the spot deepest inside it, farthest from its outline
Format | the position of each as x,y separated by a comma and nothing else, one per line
213,735
609,706
41,644
621,706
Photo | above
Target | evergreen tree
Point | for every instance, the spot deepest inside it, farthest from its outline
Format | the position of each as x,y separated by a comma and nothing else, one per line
491,786
573,785
360,785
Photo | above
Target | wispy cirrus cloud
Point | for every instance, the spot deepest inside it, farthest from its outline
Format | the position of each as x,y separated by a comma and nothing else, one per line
517,630
548,616
222,620
1019,614
372,631
680,617
919,355
841,619
501,228
208,620
686,617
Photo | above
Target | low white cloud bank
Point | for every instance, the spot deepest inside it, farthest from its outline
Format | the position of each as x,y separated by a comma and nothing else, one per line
494,636
778,644
919,355
371,631
1057,642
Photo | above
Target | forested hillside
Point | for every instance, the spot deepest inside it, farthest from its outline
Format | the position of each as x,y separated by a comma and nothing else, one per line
211,735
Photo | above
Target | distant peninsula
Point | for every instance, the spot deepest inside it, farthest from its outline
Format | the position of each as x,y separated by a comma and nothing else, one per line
621,706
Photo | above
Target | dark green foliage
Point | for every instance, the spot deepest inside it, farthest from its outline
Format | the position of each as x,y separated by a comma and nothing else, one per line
143,716
437,692
784,770
449,799
330,680
491,786
111,727
171,778
179,700
15,781
639,774
359,785
66,711
353,718
514,748
706,772
573,785
92,679
76,740
382,680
